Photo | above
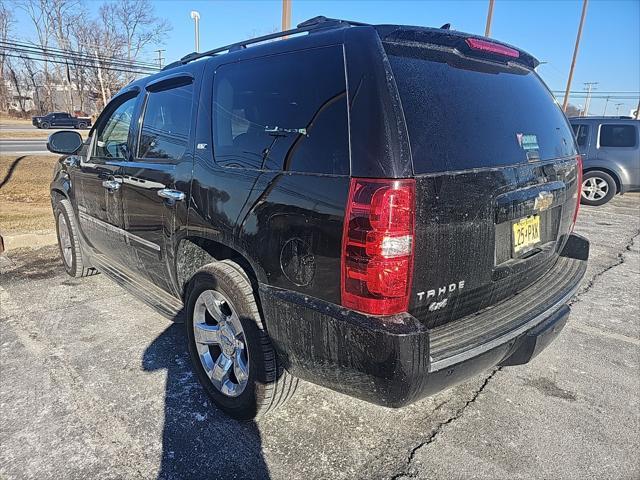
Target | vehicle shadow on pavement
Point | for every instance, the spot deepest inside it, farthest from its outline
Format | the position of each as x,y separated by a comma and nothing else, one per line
198,440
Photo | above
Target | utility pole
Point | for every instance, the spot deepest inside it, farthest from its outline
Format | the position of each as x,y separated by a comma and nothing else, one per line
487,28
196,19
618,105
606,102
587,102
160,59
575,55
286,15
104,96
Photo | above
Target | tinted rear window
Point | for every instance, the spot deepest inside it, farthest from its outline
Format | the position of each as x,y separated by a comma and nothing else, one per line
617,136
283,112
464,114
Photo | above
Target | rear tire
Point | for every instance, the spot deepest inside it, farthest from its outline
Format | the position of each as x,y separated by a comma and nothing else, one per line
598,188
220,299
82,126
68,241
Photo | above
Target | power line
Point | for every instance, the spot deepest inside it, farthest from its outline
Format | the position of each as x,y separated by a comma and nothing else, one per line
72,54
44,56
599,91
61,62
78,61
12,42
603,97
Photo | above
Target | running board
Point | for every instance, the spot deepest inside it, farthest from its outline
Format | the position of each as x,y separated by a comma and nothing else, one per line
164,303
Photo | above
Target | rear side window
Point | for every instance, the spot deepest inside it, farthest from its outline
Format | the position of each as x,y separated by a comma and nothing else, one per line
464,113
582,134
283,112
617,136
166,123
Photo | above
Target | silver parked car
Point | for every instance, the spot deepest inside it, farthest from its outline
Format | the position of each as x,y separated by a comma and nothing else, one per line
610,149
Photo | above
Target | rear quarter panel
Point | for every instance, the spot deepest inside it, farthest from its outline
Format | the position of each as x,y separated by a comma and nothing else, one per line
294,230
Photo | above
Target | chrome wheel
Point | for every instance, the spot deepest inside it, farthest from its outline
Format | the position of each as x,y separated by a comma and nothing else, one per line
594,188
64,237
221,343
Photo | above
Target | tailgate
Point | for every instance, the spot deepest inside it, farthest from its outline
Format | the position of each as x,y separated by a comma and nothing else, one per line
496,177
465,255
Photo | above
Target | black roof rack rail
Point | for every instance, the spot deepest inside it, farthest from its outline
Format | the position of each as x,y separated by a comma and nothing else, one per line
310,25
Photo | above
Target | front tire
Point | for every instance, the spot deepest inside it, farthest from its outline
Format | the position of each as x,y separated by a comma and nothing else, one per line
598,188
68,241
230,349
44,125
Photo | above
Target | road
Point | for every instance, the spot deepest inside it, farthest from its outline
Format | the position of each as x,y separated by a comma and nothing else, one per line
23,146
96,384
21,127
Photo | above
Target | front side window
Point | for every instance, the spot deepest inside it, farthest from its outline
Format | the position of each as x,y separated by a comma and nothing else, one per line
112,135
283,112
617,136
166,124
582,134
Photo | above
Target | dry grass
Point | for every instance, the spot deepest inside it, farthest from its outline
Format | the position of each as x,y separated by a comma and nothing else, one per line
32,134
14,121
25,205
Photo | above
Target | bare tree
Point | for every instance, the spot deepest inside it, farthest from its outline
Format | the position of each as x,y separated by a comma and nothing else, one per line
572,111
140,27
37,10
62,16
6,23
15,79
32,76
91,58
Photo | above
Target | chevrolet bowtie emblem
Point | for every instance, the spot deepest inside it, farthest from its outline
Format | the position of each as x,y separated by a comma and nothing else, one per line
543,201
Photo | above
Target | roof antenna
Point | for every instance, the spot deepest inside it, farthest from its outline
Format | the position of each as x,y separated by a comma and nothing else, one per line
446,26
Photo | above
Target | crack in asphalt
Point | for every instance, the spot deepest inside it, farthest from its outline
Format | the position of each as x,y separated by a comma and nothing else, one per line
438,428
406,473
619,261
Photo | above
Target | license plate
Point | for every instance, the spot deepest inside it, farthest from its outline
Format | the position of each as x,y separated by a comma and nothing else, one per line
526,233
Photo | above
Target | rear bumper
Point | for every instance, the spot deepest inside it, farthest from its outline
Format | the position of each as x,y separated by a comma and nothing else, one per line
395,360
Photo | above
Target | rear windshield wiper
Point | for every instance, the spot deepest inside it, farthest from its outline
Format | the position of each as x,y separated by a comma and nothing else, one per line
277,132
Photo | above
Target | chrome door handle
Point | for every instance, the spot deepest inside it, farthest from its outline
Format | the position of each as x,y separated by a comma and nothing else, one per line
173,195
111,185
71,162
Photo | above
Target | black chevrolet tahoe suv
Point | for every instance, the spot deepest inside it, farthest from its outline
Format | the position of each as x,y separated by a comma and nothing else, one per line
382,210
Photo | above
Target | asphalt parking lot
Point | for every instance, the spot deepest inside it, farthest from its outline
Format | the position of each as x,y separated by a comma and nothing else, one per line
94,384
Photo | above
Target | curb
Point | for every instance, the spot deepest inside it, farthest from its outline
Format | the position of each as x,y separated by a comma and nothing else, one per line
27,240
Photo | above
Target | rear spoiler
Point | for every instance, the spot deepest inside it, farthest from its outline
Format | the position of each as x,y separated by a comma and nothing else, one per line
469,45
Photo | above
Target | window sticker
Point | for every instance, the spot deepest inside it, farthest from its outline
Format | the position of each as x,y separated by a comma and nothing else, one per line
529,143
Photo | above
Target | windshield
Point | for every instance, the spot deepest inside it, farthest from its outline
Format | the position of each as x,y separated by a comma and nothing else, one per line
463,113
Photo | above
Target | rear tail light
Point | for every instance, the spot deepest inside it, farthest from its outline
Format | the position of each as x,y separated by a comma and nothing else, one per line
490,47
578,189
377,246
